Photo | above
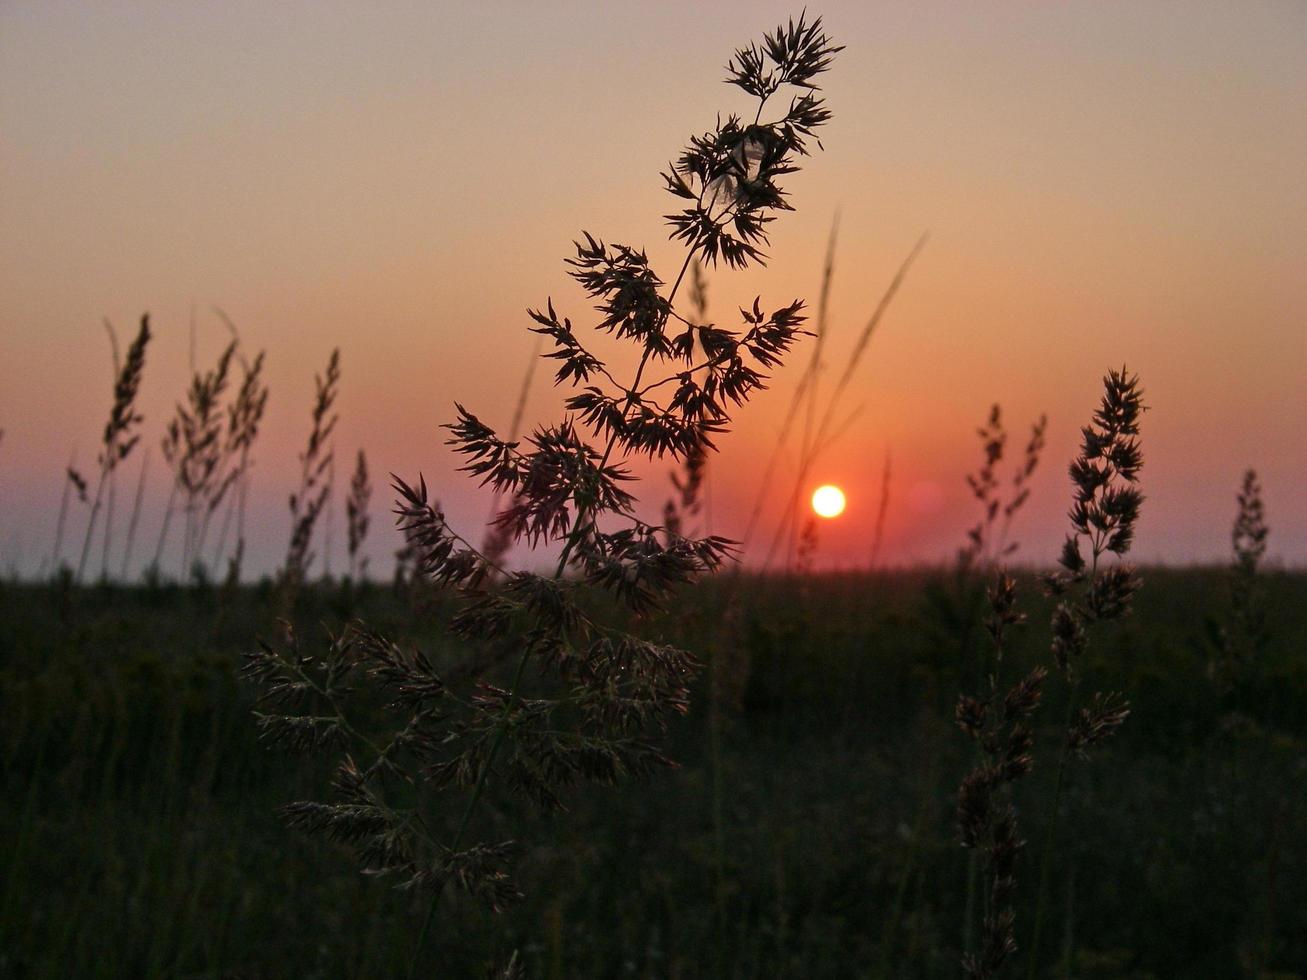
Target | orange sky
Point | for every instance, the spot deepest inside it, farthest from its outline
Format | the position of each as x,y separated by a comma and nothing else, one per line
1103,182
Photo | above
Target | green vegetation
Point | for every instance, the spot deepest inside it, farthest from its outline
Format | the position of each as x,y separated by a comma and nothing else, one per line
140,833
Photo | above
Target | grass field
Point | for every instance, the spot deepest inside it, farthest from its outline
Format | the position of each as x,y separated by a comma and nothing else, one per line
809,833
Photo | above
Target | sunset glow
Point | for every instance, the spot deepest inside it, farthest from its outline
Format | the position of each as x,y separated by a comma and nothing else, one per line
828,501
1102,184
446,381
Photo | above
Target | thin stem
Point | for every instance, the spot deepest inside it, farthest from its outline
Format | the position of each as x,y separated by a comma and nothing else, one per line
510,702
240,520
328,537
718,803
1050,839
792,507
895,918
696,368
90,525
163,530
518,411
63,516
340,717
631,394
859,349
878,534
815,364
969,910
203,532
188,536
500,728
108,526
1069,936
136,515
221,545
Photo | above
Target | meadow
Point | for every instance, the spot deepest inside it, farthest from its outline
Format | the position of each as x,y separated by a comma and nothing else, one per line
595,743
810,833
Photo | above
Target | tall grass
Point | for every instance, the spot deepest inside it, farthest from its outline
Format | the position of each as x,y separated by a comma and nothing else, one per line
452,751
498,540
119,437
1091,590
315,484
193,449
138,501
244,418
357,518
681,511
153,792
999,722
1243,637
827,429
882,512
71,483
605,692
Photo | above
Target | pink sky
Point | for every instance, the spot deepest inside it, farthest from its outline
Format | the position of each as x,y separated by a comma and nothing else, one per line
1103,182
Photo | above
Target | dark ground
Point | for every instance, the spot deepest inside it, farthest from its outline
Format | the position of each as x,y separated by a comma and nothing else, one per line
138,833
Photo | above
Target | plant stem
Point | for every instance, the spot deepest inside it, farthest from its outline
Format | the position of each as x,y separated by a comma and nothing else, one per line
167,520
63,517
136,516
90,526
515,425
240,522
502,726
1068,936
969,910
812,376
221,545
890,934
500,729
833,403
108,527
1050,840
718,805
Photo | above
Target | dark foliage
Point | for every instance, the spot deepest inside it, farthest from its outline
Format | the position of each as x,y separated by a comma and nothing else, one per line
603,694
1000,725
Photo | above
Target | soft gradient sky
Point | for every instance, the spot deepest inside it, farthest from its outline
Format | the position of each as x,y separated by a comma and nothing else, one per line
1104,183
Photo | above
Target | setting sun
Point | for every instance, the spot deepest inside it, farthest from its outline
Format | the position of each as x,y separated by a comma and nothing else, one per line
828,501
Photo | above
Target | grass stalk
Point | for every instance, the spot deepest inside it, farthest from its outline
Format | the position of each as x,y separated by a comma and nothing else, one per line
565,487
1049,847
889,936
90,525
797,401
109,510
477,792
220,545
519,411
859,349
578,528
108,525
808,392
135,519
164,526
118,439
969,907
65,499
882,509
718,781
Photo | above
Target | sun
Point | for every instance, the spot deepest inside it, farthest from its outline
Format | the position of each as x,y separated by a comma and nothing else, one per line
828,501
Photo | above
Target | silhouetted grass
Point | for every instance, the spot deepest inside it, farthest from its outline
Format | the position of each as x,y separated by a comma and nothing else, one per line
140,836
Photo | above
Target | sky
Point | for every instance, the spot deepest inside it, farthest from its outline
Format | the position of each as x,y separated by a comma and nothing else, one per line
1103,184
